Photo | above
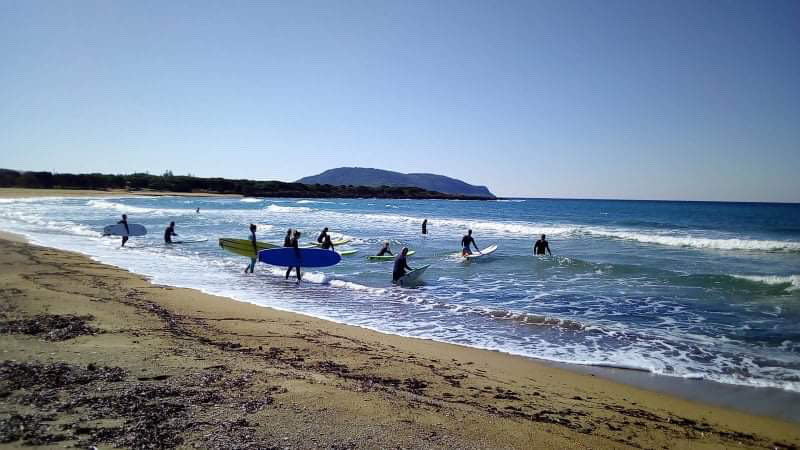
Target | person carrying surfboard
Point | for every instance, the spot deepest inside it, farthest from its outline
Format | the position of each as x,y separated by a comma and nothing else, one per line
169,232
400,265
295,243
540,246
327,244
253,260
322,235
466,241
124,221
385,249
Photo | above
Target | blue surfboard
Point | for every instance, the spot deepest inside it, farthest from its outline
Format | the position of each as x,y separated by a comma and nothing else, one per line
308,257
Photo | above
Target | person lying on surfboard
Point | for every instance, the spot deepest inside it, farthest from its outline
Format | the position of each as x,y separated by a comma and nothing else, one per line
400,265
540,246
252,264
322,235
385,250
169,232
327,244
466,241
124,221
295,243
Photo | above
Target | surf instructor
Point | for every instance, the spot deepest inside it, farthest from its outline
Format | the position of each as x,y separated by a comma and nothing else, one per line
400,265
169,232
466,242
541,246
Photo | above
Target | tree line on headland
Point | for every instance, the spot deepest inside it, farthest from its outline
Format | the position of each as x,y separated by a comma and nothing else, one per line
187,183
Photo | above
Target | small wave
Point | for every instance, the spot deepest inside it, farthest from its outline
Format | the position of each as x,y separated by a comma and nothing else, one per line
287,209
699,242
305,202
792,282
105,204
250,200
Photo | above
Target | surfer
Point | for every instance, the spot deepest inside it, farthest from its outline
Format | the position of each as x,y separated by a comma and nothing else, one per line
253,259
322,235
295,243
400,265
169,232
385,250
425,226
124,221
197,211
327,244
540,246
287,240
466,241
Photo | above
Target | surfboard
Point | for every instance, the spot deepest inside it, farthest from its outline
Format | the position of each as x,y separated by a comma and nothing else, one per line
487,251
243,247
190,241
412,278
308,257
119,230
347,252
387,257
335,243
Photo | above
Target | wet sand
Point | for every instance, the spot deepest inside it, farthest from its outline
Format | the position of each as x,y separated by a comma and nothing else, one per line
95,355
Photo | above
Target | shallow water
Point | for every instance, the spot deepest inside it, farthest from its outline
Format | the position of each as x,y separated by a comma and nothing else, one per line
688,289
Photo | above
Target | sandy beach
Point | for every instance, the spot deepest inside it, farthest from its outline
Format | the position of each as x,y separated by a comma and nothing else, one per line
95,355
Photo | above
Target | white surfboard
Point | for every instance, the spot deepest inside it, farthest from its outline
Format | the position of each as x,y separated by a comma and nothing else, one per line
487,251
412,278
134,229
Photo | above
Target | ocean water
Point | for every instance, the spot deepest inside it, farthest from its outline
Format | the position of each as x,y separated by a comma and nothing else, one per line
684,289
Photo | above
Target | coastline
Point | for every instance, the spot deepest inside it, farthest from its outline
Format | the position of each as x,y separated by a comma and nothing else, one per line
33,192
339,383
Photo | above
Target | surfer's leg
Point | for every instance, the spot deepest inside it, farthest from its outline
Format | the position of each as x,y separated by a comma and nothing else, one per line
124,240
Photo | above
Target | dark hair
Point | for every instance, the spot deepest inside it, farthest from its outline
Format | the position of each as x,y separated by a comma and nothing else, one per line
252,227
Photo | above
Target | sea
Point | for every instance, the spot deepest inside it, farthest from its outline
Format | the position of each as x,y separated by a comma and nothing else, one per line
697,290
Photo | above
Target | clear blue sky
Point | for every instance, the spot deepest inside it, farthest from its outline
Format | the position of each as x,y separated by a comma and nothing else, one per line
634,99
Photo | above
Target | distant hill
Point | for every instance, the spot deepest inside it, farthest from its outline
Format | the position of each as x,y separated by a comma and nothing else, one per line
359,176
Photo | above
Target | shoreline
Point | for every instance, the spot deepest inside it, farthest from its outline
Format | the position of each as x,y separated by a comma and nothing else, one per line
34,192
503,397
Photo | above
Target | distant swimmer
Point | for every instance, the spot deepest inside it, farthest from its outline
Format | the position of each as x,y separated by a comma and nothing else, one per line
295,243
385,250
124,221
466,242
327,244
253,260
169,232
322,235
540,246
197,210
400,265
287,240
425,226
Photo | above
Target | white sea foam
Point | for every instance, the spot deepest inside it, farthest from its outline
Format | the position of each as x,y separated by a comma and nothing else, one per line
698,242
107,204
287,209
792,281
250,200
305,202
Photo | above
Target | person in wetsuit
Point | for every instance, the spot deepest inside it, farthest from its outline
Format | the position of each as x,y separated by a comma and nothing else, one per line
322,235
327,244
287,240
385,250
425,226
169,232
295,243
124,221
400,265
253,260
466,242
541,246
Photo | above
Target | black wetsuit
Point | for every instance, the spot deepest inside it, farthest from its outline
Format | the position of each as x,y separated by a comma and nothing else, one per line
425,226
400,266
287,241
540,246
294,244
327,244
465,243
384,251
127,230
321,237
168,233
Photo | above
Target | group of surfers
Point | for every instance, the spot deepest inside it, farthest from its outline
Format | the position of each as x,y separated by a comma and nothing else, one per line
292,239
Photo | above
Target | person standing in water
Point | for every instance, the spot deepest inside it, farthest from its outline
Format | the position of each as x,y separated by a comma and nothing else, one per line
295,243
327,244
287,240
253,259
400,265
169,232
124,221
385,250
425,226
466,242
322,235
197,210
540,246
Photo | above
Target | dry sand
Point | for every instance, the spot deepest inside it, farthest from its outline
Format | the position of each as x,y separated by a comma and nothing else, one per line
95,355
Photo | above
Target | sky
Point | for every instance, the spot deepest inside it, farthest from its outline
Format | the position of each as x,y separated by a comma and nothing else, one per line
685,100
